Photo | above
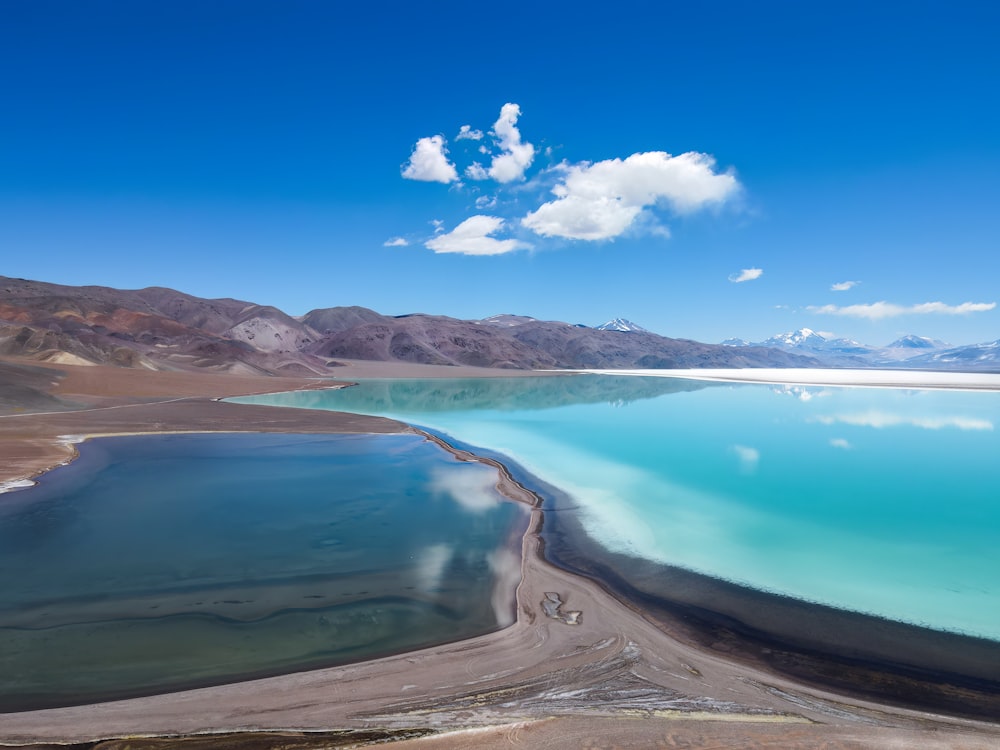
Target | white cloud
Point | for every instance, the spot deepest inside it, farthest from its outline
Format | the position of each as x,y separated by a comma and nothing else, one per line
466,133
395,242
747,274
843,286
600,201
438,225
428,162
590,200
840,443
880,310
475,171
471,237
881,419
517,156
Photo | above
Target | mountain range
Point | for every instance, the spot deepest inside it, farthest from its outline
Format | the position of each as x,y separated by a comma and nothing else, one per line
907,351
164,329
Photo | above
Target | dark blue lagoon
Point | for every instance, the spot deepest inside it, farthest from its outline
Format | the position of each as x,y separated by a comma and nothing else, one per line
159,562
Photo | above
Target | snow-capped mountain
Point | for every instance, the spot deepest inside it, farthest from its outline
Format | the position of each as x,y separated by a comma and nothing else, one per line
623,325
906,351
910,346
917,342
802,338
806,340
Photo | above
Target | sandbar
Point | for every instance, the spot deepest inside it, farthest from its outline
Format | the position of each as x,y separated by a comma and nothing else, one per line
580,666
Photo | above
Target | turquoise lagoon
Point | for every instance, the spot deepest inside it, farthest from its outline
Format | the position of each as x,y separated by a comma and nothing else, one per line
154,563
878,501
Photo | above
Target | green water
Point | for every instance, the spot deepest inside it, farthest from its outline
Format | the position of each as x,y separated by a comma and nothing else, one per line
160,562
882,501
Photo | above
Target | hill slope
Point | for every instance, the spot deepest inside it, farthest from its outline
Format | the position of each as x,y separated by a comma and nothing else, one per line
163,329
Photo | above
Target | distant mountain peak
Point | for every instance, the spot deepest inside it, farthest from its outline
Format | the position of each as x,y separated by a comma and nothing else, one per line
973,356
907,351
911,341
623,325
803,336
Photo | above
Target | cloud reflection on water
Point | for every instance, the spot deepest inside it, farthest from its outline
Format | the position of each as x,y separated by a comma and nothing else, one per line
506,567
473,487
431,565
881,419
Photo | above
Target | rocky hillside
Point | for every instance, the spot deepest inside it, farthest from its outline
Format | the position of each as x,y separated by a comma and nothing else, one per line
160,328
154,328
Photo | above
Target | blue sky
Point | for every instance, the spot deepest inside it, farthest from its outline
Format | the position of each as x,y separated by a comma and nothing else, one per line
638,159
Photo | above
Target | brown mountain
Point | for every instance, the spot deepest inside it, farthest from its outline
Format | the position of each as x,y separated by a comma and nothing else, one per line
164,329
332,320
436,340
156,328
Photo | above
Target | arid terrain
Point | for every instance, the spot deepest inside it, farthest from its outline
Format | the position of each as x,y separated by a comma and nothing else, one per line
579,667
163,329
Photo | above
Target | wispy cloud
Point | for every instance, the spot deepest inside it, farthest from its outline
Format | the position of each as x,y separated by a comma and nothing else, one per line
428,162
880,310
601,201
466,133
472,237
843,286
841,443
395,242
747,274
476,171
881,419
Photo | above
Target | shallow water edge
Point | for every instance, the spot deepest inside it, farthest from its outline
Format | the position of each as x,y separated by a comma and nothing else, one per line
857,653
854,653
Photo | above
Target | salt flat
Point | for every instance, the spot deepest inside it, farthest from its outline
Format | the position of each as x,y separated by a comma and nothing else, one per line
828,376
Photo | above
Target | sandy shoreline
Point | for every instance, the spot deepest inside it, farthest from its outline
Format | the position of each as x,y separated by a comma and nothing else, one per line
544,681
